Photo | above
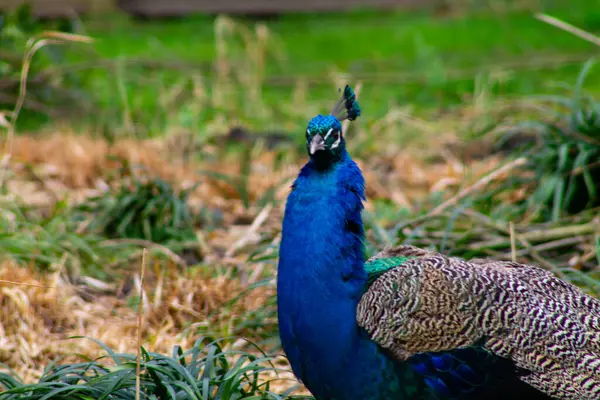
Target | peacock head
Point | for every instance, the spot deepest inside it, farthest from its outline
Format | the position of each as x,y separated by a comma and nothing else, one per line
324,138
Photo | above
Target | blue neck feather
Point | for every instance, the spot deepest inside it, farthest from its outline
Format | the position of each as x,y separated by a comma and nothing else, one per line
321,278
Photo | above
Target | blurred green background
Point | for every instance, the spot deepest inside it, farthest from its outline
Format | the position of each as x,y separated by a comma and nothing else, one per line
148,75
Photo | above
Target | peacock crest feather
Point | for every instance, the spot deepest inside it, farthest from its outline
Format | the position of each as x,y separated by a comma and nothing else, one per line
347,106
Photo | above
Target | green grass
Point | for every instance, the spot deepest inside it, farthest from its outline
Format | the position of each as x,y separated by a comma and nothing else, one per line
51,242
148,209
146,77
206,371
392,40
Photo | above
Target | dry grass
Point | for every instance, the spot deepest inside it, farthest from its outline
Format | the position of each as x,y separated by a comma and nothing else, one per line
51,166
37,321
185,303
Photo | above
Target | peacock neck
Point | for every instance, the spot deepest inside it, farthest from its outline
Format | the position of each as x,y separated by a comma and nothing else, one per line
323,234
321,277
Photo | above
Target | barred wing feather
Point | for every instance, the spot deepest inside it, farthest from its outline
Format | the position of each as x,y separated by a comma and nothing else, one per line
433,303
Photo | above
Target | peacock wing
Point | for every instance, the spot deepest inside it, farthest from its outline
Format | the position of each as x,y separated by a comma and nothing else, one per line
431,303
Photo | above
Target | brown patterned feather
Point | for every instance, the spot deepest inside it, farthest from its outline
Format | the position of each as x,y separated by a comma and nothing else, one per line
435,303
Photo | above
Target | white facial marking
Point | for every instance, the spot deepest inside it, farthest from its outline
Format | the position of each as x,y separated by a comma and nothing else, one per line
328,133
337,142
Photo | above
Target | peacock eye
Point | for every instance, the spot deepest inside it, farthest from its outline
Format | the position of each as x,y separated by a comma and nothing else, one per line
328,134
308,133
336,139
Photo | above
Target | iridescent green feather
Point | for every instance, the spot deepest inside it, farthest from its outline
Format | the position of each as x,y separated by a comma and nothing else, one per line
347,107
351,104
378,266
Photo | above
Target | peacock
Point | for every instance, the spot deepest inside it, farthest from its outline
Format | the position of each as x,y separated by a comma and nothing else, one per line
410,323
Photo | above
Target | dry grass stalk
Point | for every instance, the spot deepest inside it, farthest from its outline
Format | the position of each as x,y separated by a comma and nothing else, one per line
23,284
251,232
33,45
149,245
513,246
565,26
480,184
139,327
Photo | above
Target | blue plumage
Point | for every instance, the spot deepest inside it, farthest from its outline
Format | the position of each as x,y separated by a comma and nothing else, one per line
322,276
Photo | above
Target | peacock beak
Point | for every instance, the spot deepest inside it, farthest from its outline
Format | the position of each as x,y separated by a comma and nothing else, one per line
317,143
